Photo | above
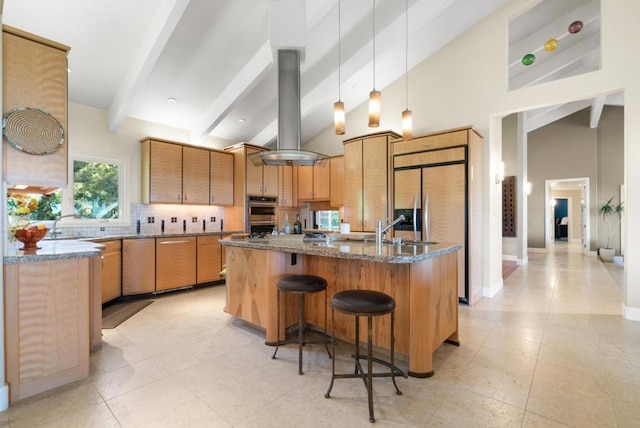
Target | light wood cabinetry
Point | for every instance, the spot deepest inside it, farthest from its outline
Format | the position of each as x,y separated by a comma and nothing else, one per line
222,178
209,263
367,180
314,182
445,168
195,176
138,266
48,317
176,262
161,172
288,186
111,270
35,75
261,180
337,180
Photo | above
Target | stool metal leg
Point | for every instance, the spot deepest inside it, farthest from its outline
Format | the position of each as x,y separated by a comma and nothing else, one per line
333,352
370,368
273,357
357,353
326,345
393,367
300,330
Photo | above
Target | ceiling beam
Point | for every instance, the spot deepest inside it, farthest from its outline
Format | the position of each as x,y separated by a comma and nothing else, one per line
158,33
597,105
542,117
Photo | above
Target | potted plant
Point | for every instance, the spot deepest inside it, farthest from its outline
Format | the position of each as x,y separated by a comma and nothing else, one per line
610,212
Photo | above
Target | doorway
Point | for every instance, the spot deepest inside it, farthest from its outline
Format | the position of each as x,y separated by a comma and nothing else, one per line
565,219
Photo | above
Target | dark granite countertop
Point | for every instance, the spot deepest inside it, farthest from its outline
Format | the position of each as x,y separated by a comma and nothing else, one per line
346,249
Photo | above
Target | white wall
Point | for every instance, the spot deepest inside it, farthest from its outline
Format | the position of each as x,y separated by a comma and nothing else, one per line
466,83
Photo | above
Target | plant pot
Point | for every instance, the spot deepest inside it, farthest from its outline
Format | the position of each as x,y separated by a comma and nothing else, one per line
606,254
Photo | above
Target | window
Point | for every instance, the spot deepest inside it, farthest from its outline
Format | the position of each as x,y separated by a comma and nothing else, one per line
327,219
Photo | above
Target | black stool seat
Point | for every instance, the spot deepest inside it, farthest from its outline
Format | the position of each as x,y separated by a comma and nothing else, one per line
366,303
363,302
302,284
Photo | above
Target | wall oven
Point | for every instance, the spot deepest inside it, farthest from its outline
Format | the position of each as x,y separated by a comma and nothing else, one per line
261,214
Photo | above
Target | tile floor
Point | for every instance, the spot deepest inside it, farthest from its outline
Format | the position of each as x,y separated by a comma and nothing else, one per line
550,350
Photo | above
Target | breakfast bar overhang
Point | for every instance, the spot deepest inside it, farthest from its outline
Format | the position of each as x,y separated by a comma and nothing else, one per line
421,277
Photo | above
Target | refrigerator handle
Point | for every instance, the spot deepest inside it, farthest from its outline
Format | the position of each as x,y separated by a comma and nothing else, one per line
426,218
415,218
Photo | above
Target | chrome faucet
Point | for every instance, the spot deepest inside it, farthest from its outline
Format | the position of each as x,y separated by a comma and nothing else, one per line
54,232
380,231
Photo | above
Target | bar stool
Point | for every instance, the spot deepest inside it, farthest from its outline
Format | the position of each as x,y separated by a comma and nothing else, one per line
367,303
302,285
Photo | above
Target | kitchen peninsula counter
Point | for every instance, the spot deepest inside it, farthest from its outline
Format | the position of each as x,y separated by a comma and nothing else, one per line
421,278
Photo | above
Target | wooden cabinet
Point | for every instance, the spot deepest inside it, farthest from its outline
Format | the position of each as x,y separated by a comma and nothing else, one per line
195,176
176,262
337,180
111,270
161,172
138,266
314,182
367,178
222,177
288,186
209,262
35,75
445,169
261,180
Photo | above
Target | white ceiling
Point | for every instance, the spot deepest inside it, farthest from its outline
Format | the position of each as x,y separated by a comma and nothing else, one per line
215,56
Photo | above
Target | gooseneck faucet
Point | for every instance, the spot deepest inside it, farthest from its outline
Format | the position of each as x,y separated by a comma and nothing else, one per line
380,231
54,232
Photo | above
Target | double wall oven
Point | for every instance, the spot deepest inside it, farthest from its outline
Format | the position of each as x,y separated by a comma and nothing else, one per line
261,214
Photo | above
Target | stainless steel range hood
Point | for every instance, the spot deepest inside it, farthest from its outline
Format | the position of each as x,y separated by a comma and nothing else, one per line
289,119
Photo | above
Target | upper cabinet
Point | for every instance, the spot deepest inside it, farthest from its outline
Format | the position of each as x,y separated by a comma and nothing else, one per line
261,180
221,178
35,75
288,186
173,173
337,180
314,182
367,187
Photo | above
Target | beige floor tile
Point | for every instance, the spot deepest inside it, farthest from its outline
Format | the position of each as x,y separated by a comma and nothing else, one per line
192,414
129,378
531,420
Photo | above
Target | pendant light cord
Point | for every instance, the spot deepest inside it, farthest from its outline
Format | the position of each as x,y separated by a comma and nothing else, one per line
374,45
406,53
339,54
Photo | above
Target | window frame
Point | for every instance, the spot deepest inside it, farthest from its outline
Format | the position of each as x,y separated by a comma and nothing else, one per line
123,194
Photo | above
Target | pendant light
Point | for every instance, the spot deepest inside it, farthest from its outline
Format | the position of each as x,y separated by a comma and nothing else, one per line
407,119
374,96
338,106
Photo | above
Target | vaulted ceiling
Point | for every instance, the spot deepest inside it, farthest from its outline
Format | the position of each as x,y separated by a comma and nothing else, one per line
215,57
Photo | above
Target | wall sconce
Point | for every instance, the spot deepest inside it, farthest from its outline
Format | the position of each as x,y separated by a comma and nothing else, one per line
500,173
527,188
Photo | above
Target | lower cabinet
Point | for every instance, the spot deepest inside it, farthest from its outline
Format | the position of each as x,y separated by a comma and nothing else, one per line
111,270
175,262
209,259
138,266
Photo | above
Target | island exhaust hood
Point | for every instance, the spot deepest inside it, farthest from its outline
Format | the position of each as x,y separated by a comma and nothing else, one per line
289,119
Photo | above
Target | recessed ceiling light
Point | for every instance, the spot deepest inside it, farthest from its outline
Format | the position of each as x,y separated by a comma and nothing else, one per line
242,120
171,100
354,87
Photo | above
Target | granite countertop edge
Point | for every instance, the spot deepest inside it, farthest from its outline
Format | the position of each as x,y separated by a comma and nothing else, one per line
356,250
58,249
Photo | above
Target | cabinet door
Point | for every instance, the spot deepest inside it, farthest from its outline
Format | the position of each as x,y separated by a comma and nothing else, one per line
287,186
138,266
35,75
111,270
445,187
305,183
407,188
337,180
254,176
165,173
374,182
222,178
353,185
176,262
195,176
209,259
270,180
322,182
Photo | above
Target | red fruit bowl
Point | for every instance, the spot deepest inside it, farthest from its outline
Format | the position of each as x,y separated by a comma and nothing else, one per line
29,237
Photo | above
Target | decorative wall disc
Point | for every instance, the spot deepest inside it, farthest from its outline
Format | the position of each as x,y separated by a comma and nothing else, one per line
32,130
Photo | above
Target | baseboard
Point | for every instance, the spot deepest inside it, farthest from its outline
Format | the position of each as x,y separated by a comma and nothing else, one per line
523,262
537,250
509,258
630,313
493,290
619,260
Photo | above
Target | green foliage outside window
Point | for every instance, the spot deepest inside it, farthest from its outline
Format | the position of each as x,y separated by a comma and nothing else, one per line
95,189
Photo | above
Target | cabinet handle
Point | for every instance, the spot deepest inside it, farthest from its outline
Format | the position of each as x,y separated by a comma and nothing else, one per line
185,196
174,242
179,197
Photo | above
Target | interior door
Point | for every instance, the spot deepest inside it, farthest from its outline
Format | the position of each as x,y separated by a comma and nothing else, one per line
445,187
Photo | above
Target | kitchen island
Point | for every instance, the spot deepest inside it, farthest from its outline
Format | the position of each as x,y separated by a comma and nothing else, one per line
421,278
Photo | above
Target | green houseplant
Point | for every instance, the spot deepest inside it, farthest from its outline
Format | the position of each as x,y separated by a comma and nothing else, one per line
611,213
